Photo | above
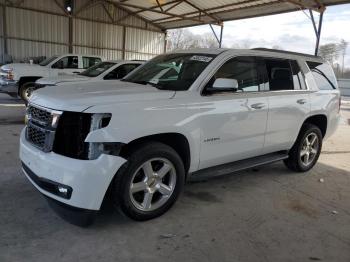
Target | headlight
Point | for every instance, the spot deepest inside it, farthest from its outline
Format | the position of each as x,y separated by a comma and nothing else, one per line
9,75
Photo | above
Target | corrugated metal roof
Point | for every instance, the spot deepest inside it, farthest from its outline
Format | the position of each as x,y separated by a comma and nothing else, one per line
169,14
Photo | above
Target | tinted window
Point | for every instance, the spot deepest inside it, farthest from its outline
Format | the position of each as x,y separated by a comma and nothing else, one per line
90,61
323,75
120,71
98,69
241,69
67,62
185,68
280,74
48,60
298,77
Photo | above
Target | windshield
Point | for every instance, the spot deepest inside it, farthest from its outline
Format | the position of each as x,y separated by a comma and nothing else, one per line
171,72
98,69
48,60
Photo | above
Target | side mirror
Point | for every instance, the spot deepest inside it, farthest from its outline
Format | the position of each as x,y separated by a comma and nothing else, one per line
59,65
225,83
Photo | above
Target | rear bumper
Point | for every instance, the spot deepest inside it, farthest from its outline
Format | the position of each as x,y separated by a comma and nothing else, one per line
10,87
87,180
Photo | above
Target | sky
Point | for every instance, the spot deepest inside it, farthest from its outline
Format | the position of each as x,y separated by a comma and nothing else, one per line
291,31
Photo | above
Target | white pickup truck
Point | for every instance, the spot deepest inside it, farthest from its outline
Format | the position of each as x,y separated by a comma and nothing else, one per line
184,115
16,78
106,70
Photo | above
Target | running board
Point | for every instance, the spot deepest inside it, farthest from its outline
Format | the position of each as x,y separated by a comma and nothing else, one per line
238,166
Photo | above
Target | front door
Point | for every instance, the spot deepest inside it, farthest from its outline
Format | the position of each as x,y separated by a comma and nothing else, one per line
66,65
234,121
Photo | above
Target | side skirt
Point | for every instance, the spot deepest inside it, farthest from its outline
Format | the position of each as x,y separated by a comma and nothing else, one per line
229,168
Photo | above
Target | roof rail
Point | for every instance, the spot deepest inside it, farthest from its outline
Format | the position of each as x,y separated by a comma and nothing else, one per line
285,52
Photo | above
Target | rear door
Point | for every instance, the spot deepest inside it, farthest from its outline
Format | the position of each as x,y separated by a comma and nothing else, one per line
288,100
233,127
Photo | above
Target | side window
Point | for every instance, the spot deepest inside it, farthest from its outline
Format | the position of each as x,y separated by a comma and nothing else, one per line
66,62
298,77
90,61
236,75
280,74
323,75
120,71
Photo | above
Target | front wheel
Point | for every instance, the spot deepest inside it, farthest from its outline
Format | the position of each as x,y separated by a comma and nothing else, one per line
150,181
306,150
26,91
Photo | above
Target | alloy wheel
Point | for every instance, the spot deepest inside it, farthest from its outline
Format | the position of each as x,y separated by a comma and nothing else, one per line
309,149
152,184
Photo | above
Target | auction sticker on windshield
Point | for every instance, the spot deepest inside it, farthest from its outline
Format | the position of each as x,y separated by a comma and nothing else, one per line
200,58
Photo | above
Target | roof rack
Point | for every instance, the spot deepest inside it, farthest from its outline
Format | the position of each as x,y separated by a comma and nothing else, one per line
285,52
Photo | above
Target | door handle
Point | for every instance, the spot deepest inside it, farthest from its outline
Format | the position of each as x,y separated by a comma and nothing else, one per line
76,72
301,101
258,106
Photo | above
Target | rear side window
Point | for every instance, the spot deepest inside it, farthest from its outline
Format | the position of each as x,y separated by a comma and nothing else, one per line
298,77
280,74
90,61
323,75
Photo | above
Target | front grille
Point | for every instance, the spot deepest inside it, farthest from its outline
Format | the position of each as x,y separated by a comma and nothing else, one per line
40,131
36,136
42,117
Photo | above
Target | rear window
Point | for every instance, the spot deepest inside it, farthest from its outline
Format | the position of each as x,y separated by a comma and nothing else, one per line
323,75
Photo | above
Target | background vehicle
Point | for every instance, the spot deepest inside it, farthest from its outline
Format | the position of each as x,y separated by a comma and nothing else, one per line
219,111
107,70
15,79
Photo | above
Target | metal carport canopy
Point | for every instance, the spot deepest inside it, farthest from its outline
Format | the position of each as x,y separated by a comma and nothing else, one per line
171,14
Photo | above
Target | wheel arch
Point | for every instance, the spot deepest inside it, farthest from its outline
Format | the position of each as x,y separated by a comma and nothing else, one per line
177,141
319,120
26,79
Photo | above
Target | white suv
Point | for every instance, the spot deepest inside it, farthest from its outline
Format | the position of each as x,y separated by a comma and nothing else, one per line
183,115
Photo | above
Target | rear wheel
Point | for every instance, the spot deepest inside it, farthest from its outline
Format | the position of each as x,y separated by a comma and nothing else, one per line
306,150
150,182
26,91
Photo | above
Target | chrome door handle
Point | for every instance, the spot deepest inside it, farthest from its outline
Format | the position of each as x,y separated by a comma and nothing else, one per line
258,106
301,101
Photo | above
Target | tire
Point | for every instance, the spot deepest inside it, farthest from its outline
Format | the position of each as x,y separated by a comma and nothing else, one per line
26,91
303,156
136,205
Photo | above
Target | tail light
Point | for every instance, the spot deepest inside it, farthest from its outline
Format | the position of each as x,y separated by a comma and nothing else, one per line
339,104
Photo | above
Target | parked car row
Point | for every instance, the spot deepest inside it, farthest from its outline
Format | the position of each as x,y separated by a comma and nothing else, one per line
184,115
16,78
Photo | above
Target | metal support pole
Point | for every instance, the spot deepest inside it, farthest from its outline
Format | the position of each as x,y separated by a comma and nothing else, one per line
313,21
124,43
221,33
212,29
319,33
4,30
165,40
70,34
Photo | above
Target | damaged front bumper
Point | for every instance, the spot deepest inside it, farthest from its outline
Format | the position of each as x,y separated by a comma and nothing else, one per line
77,183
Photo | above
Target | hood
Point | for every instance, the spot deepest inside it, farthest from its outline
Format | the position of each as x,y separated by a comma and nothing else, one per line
80,96
23,69
61,79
